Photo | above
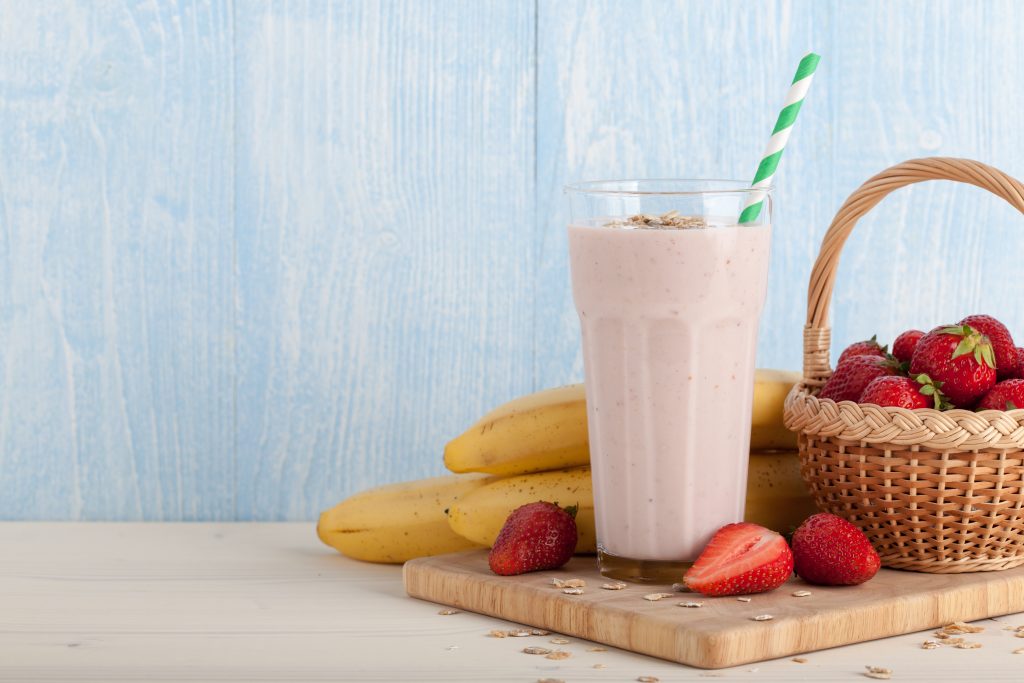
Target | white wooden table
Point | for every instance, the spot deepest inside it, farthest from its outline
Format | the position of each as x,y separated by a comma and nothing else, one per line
268,602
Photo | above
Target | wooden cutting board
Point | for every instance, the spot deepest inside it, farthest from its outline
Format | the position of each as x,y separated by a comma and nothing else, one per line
722,632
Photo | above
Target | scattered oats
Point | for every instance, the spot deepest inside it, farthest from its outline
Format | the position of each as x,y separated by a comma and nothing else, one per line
647,679
744,599
558,583
967,646
669,214
691,604
1019,628
1019,651
597,649
800,660
878,672
617,586
600,666
498,634
929,645
955,642
539,632
801,594
763,617
575,583
520,633
559,654
1018,634
959,627
559,641
446,612
681,588
654,597
1009,628
536,651
573,591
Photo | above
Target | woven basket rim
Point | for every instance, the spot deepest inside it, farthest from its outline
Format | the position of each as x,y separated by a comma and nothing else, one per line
957,429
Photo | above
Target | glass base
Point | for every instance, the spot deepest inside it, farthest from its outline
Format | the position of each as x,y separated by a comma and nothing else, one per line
640,571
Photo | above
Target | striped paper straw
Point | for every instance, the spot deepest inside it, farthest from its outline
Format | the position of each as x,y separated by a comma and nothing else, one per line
777,143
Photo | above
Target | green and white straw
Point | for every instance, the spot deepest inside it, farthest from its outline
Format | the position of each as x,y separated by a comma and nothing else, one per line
777,143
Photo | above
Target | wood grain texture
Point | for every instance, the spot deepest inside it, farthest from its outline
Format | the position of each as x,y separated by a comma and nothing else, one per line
115,259
721,633
385,198
267,602
320,239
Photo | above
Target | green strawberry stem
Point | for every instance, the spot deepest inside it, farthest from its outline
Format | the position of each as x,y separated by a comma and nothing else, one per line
974,343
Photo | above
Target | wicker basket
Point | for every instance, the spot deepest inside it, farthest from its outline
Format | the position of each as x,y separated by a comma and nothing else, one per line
935,491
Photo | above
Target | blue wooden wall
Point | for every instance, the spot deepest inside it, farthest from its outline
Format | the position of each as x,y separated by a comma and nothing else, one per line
255,255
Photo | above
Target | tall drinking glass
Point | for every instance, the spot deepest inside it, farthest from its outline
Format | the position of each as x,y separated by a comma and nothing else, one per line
669,289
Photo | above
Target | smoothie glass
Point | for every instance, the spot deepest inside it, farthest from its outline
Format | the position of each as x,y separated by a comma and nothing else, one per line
668,289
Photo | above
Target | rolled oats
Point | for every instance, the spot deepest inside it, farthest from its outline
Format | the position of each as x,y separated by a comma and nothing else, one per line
536,651
654,597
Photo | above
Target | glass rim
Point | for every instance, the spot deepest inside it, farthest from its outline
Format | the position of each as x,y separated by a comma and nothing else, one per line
617,187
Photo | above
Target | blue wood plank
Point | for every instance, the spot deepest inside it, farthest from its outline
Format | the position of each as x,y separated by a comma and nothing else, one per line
384,213
115,245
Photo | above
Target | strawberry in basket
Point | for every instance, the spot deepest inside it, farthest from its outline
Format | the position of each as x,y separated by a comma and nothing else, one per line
1007,395
853,374
961,358
905,392
903,347
1002,343
868,347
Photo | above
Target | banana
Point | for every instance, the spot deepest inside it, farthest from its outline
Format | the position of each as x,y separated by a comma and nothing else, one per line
776,498
398,522
767,430
547,430
480,514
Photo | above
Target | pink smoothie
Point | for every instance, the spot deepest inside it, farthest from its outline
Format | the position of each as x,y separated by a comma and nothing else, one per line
669,323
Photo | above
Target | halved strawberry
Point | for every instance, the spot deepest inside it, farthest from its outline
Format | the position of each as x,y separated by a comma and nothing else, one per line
741,558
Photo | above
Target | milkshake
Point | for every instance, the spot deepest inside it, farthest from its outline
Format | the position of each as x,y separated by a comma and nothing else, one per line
668,312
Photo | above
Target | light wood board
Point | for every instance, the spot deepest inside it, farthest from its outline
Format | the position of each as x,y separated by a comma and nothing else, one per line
722,632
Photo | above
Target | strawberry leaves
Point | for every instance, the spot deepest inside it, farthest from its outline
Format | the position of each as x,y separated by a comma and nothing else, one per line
972,342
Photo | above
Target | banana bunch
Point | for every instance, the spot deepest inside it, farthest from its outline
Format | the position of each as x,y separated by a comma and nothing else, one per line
548,430
536,448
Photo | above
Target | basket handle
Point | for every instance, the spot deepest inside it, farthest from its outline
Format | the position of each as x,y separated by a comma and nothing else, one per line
819,291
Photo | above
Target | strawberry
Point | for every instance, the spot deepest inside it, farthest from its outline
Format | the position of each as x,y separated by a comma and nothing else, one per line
1007,395
960,358
903,347
741,558
850,377
903,392
1002,343
535,536
1018,372
830,551
868,347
